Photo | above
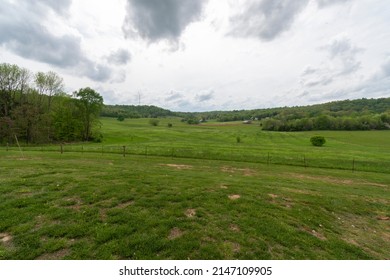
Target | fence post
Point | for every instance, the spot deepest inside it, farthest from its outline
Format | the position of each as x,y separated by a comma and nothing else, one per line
62,149
124,151
7,146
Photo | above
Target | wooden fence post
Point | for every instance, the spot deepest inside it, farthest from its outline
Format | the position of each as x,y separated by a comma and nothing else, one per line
7,146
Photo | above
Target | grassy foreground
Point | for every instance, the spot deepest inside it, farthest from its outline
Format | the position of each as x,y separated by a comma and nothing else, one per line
106,206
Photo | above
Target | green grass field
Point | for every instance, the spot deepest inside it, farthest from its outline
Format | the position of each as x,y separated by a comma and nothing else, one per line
194,192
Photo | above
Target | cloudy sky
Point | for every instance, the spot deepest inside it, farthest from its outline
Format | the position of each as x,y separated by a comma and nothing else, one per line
199,55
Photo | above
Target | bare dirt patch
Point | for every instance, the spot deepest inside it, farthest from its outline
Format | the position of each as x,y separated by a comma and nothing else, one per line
283,201
5,237
125,204
74,203
179,166
375,184
190,213
232,247
57,255
234,196
383,218
314,233
103,214
300,191
175,233
234,227
244,171
273,196
324,179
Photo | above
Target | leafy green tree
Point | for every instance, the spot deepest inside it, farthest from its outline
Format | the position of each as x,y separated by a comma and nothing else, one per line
49,84
154,122
13,82
317,141
90,104
67,121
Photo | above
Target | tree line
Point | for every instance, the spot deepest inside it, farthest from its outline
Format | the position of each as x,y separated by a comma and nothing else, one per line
34,108
135,112
359,114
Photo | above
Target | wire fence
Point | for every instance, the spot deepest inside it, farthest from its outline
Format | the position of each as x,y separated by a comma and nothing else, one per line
220,153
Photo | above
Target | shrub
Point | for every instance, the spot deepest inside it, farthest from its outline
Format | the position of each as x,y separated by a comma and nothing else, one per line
154,122
120,118
170,125
317,141
193,121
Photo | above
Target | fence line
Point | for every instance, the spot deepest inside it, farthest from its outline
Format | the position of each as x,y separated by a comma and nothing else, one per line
252,155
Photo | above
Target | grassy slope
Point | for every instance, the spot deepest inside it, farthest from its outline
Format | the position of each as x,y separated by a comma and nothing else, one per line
369,149
93,206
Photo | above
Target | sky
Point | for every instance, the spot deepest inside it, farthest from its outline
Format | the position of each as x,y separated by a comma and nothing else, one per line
203,55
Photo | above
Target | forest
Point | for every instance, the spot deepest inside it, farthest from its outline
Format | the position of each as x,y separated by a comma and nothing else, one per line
359,114
35,109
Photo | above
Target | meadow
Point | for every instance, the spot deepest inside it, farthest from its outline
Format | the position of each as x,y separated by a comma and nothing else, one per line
210,191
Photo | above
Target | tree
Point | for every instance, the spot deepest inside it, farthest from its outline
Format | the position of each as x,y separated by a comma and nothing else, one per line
317,141
13,81
67,121
90,104
154,122
49,84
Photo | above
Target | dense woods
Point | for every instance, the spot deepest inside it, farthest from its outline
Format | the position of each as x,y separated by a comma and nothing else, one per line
35,109
360,114
135,112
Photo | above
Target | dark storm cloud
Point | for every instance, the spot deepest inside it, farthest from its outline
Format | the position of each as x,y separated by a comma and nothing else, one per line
265,19
119,57
155,20
22,33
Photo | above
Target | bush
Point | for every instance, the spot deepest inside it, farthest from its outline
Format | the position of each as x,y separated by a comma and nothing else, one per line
154,122
317,141
170,125
120,118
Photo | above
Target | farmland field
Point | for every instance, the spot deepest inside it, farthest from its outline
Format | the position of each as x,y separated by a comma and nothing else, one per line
211,191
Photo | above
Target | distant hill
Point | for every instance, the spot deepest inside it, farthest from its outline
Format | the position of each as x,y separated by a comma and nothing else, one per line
133,111
359,114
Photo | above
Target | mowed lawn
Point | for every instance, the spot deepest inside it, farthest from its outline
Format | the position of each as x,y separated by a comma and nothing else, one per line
105,206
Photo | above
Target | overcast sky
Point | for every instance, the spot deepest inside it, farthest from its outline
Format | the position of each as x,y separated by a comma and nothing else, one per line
200,55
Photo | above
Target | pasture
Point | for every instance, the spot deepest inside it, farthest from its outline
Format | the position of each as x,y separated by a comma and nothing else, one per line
197,192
